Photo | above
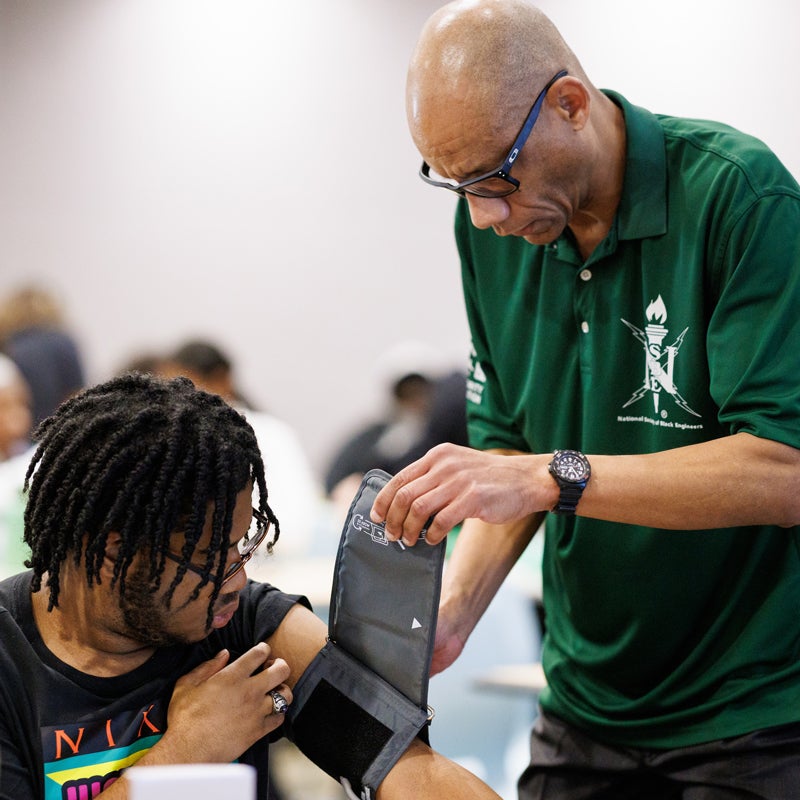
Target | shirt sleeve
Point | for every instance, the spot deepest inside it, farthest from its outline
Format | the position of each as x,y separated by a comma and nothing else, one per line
754,329
489,423
262,608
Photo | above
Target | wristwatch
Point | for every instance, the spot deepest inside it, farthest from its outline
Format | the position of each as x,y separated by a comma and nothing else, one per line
571,472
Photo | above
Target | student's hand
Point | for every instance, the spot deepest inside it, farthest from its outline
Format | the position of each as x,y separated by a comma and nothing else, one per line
230,699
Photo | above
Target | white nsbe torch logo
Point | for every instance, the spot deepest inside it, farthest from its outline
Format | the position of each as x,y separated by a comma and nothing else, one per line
659,360
476,380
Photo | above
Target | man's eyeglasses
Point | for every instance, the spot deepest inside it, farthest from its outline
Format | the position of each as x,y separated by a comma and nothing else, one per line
247,547
498,182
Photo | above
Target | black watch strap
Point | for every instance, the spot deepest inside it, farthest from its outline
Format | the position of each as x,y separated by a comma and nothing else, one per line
568,498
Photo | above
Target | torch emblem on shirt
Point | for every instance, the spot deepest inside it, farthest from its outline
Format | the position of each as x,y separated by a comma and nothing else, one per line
659,359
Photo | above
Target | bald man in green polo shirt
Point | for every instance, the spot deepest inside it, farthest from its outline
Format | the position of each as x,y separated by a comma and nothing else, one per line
632,283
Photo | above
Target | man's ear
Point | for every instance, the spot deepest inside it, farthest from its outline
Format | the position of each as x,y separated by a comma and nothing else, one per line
572,101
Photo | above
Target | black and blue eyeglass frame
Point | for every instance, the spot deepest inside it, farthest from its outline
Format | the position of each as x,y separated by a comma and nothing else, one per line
498,182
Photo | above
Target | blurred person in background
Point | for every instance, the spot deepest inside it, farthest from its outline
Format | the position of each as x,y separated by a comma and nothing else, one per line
33,334
15,451
16,417
424,405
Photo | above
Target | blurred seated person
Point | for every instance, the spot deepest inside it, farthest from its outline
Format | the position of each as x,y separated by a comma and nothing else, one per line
15,450
293,486
447,417
426,406
145,363
34,336
16,418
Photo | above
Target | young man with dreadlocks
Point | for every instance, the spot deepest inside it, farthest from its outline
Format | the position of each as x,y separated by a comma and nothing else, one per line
136,637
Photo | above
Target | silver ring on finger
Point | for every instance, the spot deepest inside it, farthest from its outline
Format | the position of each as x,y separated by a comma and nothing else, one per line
279,703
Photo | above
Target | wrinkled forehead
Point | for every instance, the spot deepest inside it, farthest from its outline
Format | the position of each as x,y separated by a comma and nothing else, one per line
461,130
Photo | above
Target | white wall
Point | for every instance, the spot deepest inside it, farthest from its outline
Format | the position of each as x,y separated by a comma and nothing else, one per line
242,170
729,60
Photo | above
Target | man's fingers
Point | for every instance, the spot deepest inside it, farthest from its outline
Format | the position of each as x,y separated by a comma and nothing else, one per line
277,672
207,669
387,497
250,661
420,491
422,505
384,499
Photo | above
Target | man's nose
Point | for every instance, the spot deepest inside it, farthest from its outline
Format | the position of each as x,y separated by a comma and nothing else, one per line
238,580
487,211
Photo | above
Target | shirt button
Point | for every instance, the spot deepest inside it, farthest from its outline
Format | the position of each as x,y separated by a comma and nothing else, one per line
586,274
585,326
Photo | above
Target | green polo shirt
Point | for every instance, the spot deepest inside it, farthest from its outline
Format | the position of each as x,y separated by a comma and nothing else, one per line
683,326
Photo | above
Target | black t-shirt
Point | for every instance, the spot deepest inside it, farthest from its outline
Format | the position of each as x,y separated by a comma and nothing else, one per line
68,735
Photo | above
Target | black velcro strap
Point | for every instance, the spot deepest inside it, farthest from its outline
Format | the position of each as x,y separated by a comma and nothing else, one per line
349,721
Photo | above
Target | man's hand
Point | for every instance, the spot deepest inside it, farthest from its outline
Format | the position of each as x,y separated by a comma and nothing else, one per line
448,643
229,699
453,483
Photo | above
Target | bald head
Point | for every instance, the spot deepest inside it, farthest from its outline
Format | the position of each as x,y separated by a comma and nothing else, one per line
483,58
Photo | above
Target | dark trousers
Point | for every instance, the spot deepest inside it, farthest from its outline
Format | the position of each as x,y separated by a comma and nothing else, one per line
567,764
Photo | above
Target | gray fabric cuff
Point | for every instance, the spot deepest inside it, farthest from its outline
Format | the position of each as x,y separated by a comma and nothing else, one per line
350,722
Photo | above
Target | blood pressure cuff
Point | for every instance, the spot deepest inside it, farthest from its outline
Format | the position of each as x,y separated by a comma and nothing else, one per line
364,697
349,721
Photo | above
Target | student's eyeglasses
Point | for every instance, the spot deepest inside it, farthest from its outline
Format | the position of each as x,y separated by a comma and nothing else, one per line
498,182
248,545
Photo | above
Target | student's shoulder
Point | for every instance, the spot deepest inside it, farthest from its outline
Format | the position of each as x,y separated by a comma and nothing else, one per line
15,593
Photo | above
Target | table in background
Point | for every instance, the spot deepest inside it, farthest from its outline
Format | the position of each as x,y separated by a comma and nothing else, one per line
528,678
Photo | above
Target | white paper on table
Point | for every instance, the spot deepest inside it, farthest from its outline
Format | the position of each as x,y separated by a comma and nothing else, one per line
192,781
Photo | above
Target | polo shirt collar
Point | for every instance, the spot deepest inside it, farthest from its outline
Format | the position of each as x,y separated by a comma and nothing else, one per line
643,206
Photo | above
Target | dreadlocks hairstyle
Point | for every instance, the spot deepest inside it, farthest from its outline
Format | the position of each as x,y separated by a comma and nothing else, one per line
143,457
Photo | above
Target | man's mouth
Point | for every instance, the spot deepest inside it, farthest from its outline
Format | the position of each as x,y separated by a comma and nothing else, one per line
224,614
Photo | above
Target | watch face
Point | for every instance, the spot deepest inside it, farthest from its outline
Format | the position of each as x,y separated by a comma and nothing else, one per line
571,466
